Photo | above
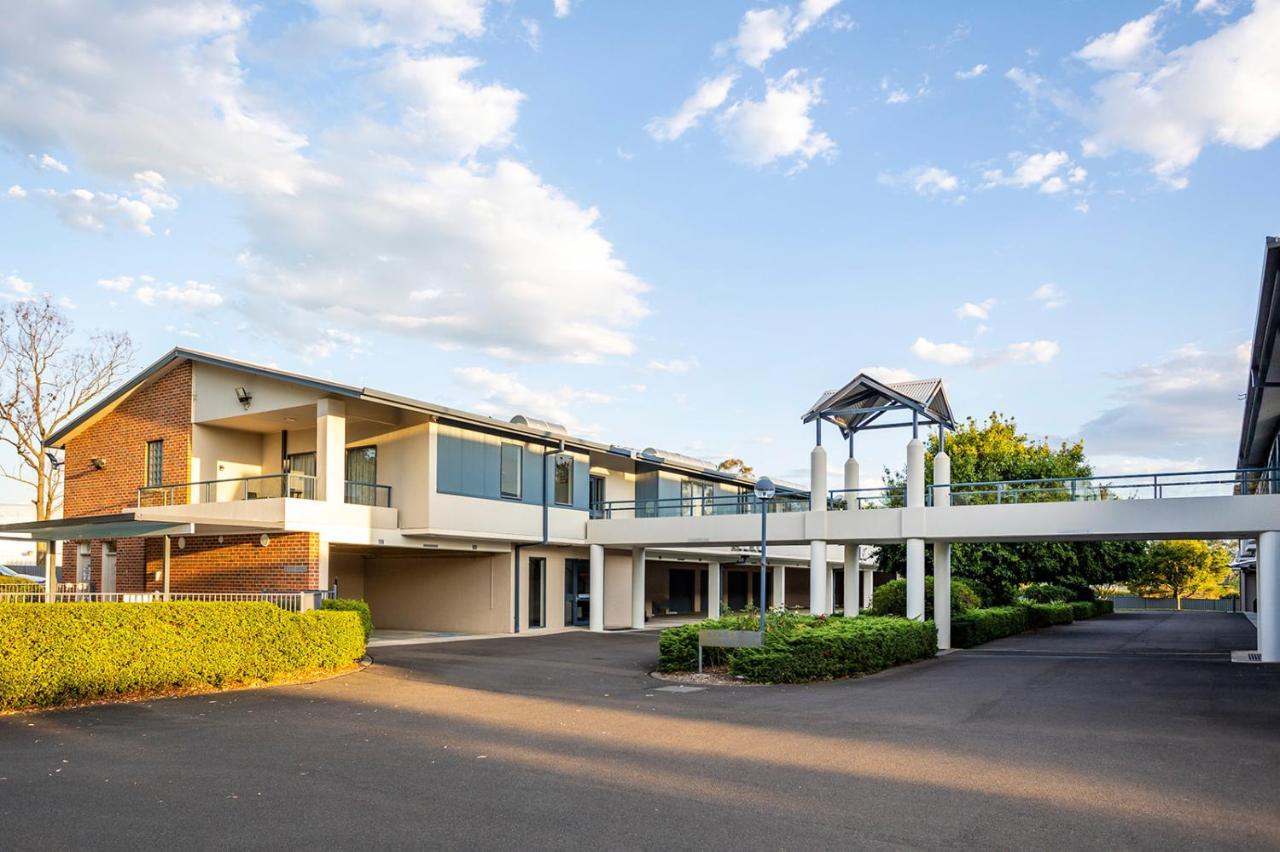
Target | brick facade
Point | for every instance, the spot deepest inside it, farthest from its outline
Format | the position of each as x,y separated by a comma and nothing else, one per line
232,563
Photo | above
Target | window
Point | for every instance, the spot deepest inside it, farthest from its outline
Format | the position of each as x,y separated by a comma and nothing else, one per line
303,463
564,480
537,596
362,465
155,463
596,497
510,464
696,498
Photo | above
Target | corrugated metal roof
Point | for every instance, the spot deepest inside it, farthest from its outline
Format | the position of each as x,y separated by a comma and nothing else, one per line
926,396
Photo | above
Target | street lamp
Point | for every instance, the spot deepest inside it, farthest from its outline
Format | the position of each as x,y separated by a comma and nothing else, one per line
764,493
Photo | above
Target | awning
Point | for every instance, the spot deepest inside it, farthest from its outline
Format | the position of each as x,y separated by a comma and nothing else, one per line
120,525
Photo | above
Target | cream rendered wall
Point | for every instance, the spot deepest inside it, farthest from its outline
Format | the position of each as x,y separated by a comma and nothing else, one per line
302,440
213,393
467,594
402,464
618,485
617,589
218,453
617,585
347,570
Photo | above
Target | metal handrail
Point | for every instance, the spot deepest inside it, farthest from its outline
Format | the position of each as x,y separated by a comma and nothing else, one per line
726,504
367,494
1101,486
298,485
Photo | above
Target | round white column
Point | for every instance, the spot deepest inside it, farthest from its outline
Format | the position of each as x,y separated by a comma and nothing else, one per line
1269,596
714,571
779,586
915,546
868,586
852,571
596,589
942,554
637,587
851,479
818,549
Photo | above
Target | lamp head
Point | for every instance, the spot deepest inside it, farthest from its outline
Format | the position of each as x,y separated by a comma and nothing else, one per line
765,488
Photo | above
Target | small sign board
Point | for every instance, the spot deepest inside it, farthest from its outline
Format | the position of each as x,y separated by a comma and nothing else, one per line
727,639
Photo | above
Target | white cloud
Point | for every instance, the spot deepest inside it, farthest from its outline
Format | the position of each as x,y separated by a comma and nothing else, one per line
889,375
97,211
972,73
47,163
709,95
19,285
333,340
1214,7
382,196
923,180
950,354
1186,406
192,294
18,192
778,127
1029,169
902,95
1132,45
673,365
979,310
1050,296
764,32
562,8
1030,352
504,395
120,284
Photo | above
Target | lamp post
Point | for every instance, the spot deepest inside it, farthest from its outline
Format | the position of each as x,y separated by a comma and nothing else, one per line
764,493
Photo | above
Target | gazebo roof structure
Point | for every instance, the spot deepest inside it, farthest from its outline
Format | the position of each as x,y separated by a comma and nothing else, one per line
862,402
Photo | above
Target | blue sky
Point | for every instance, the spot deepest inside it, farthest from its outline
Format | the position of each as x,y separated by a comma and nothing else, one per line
668,224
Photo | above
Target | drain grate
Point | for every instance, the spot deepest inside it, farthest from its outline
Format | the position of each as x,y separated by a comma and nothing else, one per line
1246,656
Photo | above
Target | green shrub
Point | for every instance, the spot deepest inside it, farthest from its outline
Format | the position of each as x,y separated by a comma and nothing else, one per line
1101,607
51,654
355,605
983,625
891,598
1047,614
1083,609
842,647
678,646
1046,593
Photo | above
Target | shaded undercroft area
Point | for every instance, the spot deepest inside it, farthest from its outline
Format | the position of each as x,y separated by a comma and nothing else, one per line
1127,731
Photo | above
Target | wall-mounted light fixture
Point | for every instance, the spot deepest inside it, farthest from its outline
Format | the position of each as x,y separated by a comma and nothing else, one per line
265,540
244,396
98,464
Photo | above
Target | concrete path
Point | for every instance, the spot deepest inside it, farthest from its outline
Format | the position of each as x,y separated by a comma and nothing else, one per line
1131,731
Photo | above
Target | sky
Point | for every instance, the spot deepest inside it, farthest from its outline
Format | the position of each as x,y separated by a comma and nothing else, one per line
668,224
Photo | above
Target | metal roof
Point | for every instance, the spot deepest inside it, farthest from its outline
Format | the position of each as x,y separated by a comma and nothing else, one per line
1262,400
864,400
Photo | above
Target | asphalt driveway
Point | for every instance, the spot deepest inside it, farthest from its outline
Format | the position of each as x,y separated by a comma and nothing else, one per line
1131,731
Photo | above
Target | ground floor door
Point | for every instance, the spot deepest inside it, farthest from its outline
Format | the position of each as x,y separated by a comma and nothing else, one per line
577,592
109,567
736,583
680,598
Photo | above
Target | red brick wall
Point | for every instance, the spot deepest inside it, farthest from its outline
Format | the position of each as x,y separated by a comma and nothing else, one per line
160,411
238,564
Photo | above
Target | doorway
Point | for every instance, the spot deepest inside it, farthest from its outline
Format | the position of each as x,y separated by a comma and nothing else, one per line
109,567
680,590
577,592
736,583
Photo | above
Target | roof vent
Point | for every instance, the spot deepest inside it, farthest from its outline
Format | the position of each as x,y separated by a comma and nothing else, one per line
536,423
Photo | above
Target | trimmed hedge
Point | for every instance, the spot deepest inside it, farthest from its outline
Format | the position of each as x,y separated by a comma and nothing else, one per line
891,598
1083,609
801,648
66,652
984,625
359,607
1047,615
1046,593
1102,607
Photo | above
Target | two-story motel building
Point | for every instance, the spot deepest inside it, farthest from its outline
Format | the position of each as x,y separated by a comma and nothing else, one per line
202,474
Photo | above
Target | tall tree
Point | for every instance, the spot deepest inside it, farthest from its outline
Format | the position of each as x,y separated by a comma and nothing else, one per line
735,466
1182,569
47,374
995,451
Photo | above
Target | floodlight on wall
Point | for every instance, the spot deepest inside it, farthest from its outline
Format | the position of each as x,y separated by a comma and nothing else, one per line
98,464
244,396
265,540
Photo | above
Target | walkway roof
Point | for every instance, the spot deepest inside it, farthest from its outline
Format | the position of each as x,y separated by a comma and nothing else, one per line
861,402
1262,401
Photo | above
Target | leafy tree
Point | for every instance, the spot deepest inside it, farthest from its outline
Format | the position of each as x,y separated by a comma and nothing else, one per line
995,451
1183,569
736,466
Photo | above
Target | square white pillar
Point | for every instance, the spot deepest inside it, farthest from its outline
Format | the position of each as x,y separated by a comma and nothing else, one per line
637,587
817,577
942,592
331,450
915,579
779,586
852,574
596,589
1269,596
714,572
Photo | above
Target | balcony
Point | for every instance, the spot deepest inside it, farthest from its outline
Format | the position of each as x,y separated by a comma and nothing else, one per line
297,486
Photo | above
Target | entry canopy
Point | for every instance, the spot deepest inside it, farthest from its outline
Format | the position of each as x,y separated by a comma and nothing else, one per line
122,525
861,403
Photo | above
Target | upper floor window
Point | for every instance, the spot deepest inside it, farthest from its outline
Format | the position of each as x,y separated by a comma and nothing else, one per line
362,465
510,470
155,463
564,480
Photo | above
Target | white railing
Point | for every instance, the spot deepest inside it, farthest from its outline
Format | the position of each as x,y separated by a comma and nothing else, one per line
291,601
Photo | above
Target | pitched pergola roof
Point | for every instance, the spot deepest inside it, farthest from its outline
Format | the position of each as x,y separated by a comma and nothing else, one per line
864,400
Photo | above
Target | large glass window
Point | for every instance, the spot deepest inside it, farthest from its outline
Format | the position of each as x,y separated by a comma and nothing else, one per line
596,498
155,462
303,463
362,465
537,592
564,480
512,458
696,497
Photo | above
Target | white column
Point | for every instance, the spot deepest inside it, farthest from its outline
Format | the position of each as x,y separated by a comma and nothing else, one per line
818,549
779,586
324,576
637,587
714,571
331,450
1269,596
831,590
915,546
168,560
45,555
868,586
596,589
852,571
942,553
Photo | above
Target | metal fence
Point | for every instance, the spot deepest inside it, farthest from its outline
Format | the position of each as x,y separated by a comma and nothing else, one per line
677,507
291,601
1195,604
